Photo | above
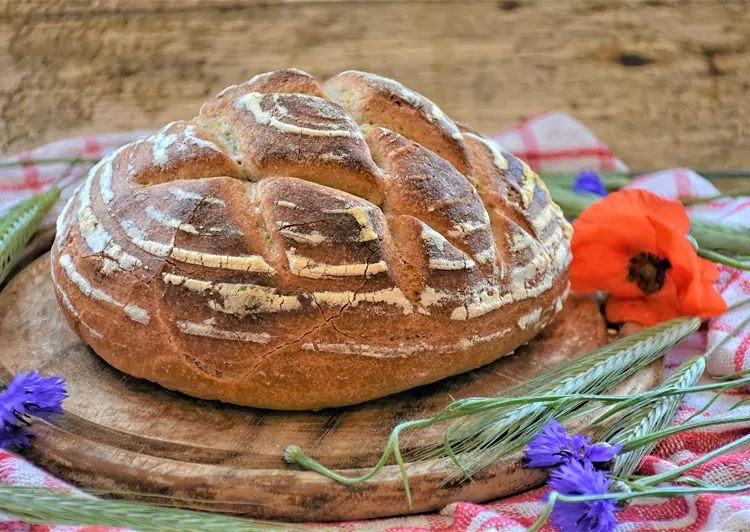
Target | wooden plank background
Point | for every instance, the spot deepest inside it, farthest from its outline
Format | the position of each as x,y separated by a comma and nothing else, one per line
664,82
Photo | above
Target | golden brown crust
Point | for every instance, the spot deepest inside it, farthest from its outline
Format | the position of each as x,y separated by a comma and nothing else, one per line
378,101
288,249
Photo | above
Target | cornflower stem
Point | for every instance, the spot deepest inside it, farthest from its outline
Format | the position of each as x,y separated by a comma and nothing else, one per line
673,491
677,429
471,406
674,473
539,523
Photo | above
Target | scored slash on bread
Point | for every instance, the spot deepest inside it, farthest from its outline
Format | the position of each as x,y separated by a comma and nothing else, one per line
299,246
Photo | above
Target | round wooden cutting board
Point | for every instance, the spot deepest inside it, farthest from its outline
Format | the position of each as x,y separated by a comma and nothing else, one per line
126,434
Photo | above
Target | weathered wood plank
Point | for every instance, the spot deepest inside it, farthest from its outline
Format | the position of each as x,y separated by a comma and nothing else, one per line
664,82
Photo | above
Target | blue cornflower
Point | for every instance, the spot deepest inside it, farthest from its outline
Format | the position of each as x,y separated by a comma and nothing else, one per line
553,446
580,478
589,182
28,394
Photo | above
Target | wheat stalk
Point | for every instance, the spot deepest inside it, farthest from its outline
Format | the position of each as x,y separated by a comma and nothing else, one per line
572,203
481,439
46,506
18,225
57,160
720,236
735,193
474,405
648,417
640,421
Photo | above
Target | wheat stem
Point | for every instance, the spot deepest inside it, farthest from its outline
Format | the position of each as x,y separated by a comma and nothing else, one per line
643,419
56,160
18,225
720,236
610,180
705,199
481,440
628,446
44,506
738,304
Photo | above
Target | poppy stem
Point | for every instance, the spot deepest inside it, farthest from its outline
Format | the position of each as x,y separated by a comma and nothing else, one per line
723,259
705,199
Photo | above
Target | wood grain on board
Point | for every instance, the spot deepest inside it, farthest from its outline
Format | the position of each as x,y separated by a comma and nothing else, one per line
664,82
122,433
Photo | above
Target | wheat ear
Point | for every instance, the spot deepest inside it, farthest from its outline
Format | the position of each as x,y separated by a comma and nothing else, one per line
651,416
480,440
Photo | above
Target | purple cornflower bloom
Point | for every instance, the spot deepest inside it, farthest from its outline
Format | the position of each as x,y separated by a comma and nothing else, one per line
589,182
553,446
28,394
580,478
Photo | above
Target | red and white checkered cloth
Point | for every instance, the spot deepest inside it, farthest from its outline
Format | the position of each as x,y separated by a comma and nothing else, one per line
550,142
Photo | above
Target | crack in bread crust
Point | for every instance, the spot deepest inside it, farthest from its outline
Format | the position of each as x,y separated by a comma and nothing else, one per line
225,238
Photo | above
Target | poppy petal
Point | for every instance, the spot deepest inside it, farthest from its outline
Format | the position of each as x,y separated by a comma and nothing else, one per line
679,251
603,268
619,227
648,310
635,310
713,304
632,234
641,203
709,270
703,300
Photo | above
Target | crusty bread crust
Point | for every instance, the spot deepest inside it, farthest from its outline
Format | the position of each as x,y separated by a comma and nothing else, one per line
299,246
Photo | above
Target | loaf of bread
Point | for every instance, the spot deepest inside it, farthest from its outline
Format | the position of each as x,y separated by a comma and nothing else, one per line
302,246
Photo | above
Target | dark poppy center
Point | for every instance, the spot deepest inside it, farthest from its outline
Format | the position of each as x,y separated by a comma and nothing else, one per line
648,271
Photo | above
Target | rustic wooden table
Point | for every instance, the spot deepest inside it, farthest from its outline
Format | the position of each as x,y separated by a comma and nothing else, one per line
664,82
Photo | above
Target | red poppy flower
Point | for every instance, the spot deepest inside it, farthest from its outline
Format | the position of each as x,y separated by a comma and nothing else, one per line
633,245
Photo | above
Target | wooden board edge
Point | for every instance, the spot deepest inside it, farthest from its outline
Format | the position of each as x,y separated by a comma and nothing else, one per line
291,494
